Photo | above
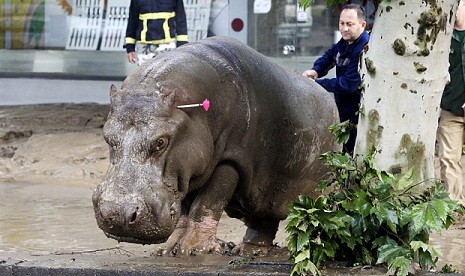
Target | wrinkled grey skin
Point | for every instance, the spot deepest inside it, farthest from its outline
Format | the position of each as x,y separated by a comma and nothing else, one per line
174,171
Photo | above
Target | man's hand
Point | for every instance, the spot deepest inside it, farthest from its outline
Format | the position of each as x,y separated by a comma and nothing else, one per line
132,57
311,74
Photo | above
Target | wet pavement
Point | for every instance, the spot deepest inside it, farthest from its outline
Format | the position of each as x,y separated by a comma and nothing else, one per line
49,229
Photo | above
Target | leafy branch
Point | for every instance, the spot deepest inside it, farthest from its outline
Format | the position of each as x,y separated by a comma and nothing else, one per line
367,216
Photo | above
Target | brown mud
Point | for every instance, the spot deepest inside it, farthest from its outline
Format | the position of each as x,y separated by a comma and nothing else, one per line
51,158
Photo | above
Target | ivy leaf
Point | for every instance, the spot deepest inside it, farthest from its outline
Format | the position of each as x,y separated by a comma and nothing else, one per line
318,253
361,203
367,258
384,189
358,226
400,266
302,241
291,243
302,256
416,245
383,240
302,268
383,212
405,181
426,259
329,249
432,214
389,252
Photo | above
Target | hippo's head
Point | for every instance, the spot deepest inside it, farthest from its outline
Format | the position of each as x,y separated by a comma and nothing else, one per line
156,152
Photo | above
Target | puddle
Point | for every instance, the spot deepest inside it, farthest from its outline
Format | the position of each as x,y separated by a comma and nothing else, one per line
50,219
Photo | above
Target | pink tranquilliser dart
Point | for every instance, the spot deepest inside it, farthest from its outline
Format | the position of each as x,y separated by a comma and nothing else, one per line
205,104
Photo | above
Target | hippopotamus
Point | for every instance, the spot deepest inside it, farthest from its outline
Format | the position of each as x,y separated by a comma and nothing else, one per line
174,171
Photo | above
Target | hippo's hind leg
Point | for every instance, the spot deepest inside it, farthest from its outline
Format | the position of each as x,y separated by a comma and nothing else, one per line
258,239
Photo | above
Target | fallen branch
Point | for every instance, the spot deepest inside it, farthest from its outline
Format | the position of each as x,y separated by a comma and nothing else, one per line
85,251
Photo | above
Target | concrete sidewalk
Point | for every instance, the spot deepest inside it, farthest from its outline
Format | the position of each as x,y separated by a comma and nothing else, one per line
117,263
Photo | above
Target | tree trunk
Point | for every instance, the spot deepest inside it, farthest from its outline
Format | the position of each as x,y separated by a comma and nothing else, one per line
404,72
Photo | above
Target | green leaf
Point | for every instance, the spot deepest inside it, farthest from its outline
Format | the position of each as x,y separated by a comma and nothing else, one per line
318,254
386,212
320,203
383,240
305,268
361,203
416,245
329,249
426,260
302,256
348,239
367,258
431,214
389,252
400,265
292,244
384,190
358,226
302,241
405,181
302,227
342,130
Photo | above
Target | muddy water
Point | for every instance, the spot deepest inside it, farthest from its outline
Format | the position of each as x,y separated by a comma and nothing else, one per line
48,218
52,219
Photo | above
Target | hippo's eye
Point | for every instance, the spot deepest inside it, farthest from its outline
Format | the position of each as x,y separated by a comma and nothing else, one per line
160,144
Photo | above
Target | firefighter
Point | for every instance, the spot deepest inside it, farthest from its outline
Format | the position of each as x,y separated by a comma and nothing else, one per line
154,26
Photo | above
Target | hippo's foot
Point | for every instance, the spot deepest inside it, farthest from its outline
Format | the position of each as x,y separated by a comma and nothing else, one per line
174,238
258,238
199,238
250,250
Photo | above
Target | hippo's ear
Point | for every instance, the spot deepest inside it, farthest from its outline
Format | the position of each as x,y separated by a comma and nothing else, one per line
113,94
169,99
113,91
168,95
114,97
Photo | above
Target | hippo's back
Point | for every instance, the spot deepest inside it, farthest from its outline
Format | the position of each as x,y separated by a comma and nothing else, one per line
285,130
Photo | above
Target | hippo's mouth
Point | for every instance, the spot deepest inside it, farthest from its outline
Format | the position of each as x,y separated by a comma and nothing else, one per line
134,240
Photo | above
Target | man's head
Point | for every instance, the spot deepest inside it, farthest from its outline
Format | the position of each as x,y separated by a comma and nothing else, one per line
352,22
460,16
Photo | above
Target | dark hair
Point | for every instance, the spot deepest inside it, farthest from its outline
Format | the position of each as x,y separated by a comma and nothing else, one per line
358,8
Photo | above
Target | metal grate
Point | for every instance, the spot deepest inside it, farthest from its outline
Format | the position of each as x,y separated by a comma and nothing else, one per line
116,20
198,16
86,23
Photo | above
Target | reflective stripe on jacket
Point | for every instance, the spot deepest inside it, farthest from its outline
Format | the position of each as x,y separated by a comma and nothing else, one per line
156,22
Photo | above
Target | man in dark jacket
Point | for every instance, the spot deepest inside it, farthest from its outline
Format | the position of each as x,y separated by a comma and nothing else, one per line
345,55
154,26
451,135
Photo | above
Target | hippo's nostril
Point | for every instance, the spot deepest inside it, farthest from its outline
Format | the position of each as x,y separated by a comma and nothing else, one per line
173,215
133,218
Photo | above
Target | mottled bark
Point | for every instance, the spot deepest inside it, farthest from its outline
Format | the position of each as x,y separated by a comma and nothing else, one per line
404,73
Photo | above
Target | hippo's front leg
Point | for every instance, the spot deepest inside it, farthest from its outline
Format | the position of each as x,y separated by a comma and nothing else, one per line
206,210
170,245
